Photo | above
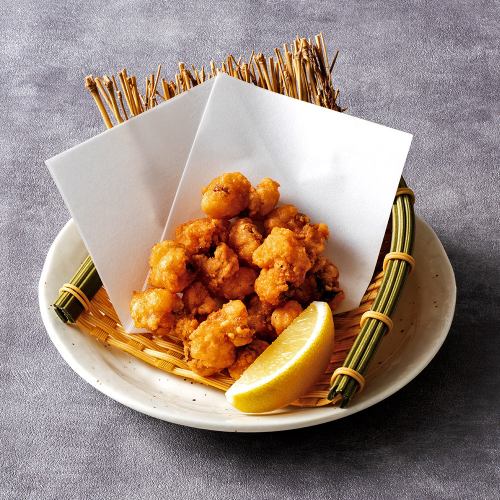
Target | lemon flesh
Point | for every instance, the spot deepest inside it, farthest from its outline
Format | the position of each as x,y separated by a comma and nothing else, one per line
289,366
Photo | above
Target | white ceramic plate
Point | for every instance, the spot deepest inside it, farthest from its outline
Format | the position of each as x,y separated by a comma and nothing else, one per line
421,323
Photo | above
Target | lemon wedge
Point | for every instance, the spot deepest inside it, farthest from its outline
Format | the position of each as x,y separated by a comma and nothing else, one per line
289,366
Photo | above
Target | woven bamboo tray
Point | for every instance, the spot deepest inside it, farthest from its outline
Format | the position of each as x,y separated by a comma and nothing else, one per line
303,72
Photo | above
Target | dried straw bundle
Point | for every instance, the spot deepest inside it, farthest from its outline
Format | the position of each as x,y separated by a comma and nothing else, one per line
304,73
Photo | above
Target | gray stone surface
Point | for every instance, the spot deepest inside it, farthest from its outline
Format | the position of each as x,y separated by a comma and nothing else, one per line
430,68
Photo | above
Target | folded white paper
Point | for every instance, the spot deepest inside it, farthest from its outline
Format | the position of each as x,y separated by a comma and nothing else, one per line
338,169
119,187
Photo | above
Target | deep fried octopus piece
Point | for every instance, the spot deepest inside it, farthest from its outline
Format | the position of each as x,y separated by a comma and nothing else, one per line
271,285
284,261
244,238
283,246
216,269
240,284
313,236
153,308
263,198
327,276
185,326
181,326
197,299
199,235
307,292
226,196
287,216
259,317
246,356
170,266
212,346
284,315
321,283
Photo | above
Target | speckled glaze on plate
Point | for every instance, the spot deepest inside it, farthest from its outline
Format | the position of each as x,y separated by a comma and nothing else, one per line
421,322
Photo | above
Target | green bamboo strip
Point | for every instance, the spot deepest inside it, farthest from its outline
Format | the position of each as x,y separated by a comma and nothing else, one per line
67,307
372,332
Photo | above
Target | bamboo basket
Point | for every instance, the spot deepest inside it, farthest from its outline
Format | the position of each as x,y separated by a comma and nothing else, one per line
301,71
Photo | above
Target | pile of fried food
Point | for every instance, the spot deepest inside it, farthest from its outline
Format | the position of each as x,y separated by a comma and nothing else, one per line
231,282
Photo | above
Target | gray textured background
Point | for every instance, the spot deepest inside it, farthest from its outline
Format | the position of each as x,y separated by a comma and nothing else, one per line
430,68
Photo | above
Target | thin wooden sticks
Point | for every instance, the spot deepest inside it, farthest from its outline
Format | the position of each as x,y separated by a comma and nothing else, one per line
300,70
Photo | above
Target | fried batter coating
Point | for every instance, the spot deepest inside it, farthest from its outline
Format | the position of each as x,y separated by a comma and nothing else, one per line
327,276
246,356
185,326
170,267
240,284
314,237
271,285
199,235
212,346
321,283
152,309
226,196
284,315
307,292
263,198
259,317
271,258
244,238
215,270
283,249
284,261
197,299
286,216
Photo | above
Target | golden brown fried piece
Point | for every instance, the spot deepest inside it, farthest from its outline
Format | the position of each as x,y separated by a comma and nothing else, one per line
199,235
284,315
286,216
212,346
308,291
282,246
271,285
327,277
246,356
226,196
321,283
244,238
181,326
314,237
215,270
153,308
284,261
240,284
197,299
263,198
259,317
170,267
185,326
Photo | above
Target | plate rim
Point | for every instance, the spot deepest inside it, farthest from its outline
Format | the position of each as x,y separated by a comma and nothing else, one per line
121,397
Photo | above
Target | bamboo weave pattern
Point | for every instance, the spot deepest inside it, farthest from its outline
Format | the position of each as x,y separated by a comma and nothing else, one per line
167,353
